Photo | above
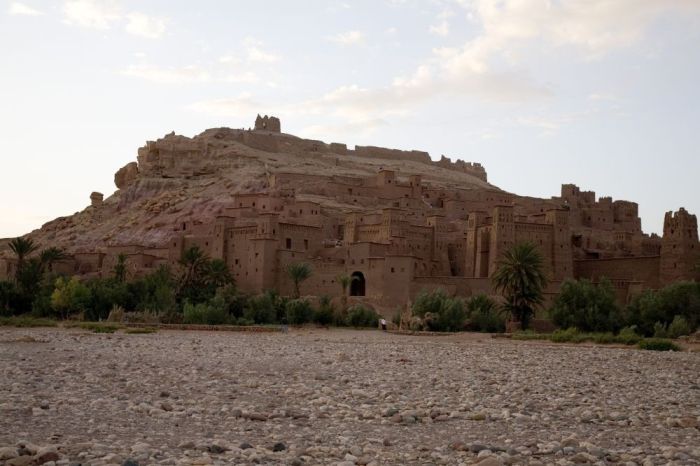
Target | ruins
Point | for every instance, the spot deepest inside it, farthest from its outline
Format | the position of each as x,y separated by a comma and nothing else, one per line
395,220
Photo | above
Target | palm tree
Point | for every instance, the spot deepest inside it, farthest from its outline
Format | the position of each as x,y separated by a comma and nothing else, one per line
22,247
521,279
50,255
345,280
119,269
298,272
194,264
217,273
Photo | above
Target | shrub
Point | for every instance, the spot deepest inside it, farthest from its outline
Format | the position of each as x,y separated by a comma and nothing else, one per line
26,321
228,298
628,336
362,316
116,314
678,327
299,312
484,315
679,299
587,306
97,327
70,297
530,335
261,309
206,314
658,344
138,331
569,335
440,312
325,312
660,330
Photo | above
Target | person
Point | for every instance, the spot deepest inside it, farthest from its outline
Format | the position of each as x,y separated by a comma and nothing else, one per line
383,324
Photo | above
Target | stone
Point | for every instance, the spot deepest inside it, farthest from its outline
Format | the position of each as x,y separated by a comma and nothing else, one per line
279,446
126,175
245,446
7,453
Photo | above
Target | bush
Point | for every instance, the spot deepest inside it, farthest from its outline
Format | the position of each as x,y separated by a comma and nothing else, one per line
325,312
569,335
660,330
116,314
658,344
299,312
679,299
361,316
628,336
484,315
678,327
70,297
440,312
267,308
26,321
228,298
138,331
587,306
204,314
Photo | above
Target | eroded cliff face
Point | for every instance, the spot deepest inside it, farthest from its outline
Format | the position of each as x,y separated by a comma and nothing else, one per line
180,179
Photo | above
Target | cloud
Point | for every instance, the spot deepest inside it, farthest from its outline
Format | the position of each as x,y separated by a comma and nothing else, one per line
361,128
91,13
256,53
491,66
242,105
103,14
143,25
17,8
188,74
171,75
442,29
348,38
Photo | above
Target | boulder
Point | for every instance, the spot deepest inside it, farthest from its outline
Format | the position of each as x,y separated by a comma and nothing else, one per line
126,175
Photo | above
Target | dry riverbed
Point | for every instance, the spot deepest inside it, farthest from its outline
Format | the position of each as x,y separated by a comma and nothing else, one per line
71,397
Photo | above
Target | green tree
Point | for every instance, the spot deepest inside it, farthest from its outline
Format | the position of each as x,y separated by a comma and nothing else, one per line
50,255
22,247
586,306
194,265
119,270
345,280
298,272
520,277
70,296
217,274
439,311
484,314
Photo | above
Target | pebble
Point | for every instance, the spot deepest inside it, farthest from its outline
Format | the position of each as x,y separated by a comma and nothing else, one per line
340,397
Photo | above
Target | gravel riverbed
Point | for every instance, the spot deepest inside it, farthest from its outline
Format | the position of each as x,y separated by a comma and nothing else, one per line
345,397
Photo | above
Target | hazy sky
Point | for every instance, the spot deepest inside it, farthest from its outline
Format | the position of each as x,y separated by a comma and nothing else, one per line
601,93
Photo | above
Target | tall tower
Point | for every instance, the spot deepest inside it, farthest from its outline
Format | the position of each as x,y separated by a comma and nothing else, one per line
562,255
680,251
502,235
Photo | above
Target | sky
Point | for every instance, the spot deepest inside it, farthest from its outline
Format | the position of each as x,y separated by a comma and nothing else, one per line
601,93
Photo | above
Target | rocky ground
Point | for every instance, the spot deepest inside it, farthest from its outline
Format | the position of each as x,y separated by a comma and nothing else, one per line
339,397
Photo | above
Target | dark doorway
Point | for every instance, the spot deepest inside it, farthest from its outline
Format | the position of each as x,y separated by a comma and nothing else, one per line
357,285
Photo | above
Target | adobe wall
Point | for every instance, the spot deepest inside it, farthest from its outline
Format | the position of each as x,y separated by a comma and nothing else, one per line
639,269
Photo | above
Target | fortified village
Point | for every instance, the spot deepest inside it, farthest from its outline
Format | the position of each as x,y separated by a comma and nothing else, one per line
397,221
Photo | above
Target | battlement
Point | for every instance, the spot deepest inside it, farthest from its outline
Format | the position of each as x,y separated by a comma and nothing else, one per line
268,123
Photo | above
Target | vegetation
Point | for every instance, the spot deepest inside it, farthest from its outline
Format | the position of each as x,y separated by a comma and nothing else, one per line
484,315
679,300
359,316
658,344
26,321
141,330
440,312
298,272
587,306
520,277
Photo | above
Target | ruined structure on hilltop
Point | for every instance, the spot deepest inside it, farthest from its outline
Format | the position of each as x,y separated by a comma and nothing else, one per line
395,220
